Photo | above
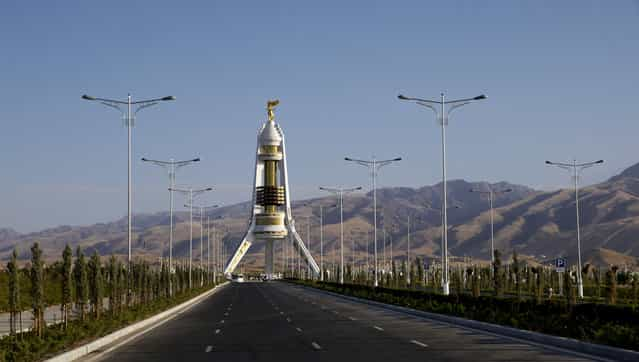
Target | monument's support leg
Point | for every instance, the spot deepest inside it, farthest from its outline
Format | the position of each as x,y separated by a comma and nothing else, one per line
268,258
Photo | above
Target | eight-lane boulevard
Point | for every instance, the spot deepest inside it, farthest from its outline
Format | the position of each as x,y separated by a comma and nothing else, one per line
277,321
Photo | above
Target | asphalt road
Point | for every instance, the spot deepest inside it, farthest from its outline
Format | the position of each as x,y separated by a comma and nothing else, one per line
276,321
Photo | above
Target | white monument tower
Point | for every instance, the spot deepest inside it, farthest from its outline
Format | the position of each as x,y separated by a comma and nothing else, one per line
271,217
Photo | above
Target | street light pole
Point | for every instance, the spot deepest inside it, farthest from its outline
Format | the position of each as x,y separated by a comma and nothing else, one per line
491,198
576,169
321,243
340,191
202,212
129,118
374,166
442,115
408,250
191,194
171,166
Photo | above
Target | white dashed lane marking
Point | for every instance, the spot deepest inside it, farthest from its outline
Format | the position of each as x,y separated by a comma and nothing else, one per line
353,319
316,346
299,329
378,328
418,343
208,349
217,331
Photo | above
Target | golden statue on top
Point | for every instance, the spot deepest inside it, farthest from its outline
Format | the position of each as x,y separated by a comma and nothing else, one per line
270,106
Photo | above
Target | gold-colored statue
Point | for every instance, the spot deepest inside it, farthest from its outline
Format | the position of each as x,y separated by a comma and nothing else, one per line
270,106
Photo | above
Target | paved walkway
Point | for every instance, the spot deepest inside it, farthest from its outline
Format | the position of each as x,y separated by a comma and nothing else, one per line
52,315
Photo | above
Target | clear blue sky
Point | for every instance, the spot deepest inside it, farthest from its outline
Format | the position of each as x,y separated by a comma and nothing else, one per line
561,80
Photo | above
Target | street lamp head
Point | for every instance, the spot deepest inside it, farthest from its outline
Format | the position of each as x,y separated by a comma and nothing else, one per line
196,160
508,190
208,189
397,159
548,163
479,97
144,159
600,161
402,97
87,97
168,98
358,188
348,159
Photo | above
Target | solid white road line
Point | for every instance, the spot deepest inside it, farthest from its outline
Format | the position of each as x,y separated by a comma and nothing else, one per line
208,349
316,346
418,343
378,328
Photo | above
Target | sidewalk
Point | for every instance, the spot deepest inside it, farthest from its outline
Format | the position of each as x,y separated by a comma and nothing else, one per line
52,315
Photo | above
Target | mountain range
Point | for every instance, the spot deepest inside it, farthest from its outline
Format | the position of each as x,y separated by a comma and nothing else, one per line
538,225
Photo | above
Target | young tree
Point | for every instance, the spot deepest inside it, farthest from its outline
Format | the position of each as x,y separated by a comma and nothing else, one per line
14,291
65,305
37,289
81,282
420,270
611,285
119,286
112,279
497,275
476,280
571,296
95,284
517,273
539,283
635,287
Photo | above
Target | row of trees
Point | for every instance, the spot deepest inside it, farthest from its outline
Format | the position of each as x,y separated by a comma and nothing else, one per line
89,288
514,279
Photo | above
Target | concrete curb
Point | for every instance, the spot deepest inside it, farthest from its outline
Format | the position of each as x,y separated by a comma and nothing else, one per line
93,346
573,345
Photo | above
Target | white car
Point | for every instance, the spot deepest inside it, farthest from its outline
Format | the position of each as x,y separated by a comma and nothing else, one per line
238,278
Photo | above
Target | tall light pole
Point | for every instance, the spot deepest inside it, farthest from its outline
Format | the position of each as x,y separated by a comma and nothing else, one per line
340,191
171,166
321,217
442,113
191,194
202,212
576,169
216,250
374,166
321,221
408,250
491,197
129,117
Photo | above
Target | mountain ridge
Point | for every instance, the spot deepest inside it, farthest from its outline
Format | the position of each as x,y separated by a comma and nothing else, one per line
537,224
